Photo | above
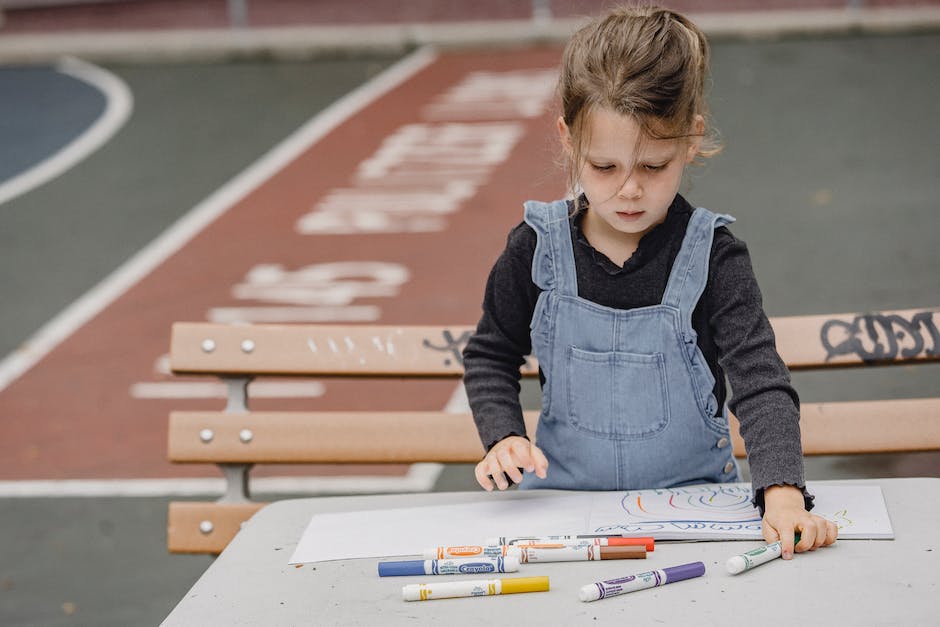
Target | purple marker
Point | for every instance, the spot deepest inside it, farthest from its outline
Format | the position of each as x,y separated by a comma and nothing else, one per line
651,579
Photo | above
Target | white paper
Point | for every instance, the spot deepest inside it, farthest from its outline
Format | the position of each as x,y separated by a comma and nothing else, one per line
704,512
409,531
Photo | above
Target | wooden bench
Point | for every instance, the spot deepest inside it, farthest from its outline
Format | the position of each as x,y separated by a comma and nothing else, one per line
236,438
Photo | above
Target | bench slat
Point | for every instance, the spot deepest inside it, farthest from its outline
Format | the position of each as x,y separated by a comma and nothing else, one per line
824,341
328,437
884,426
184,519
410,437
323,350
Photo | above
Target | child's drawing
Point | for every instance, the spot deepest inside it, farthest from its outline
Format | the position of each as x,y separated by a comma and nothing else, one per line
725,511
718,508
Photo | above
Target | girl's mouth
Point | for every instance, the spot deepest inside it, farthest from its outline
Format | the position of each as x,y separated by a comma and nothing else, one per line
630,216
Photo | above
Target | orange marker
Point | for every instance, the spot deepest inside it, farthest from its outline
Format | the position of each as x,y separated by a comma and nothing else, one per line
575,540
471,550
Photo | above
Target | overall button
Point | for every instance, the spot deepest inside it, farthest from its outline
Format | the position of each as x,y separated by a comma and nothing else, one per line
723,442
729,467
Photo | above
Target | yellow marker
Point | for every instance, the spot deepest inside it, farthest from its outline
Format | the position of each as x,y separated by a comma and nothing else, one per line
477,588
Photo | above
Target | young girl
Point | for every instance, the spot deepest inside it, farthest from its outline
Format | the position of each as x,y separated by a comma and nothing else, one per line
636,304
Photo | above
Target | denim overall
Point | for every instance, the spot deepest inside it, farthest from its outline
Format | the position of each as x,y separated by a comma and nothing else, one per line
628,398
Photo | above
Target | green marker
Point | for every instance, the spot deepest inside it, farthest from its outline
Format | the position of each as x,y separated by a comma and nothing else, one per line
752,559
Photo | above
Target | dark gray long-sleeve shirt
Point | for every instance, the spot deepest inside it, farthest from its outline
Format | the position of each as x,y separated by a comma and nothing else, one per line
734,335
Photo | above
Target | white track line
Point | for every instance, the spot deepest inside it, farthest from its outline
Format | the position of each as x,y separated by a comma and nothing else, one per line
420,478
118,106
183,230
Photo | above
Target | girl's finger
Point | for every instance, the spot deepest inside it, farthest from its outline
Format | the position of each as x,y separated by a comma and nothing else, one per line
522,456
787,542
493,469
770,534
822,531
510,466
541,462
482,476
808,535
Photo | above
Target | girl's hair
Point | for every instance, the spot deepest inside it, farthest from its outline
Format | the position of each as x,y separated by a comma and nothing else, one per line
646,62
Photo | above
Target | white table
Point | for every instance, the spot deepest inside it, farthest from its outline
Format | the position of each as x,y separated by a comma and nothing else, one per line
854,582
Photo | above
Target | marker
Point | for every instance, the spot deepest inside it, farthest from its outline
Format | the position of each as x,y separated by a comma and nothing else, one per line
562,553
651,579
578,540
477,588
752,559
471,566
470,550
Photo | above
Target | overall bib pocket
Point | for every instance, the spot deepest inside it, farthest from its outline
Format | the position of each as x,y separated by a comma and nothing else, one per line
615,394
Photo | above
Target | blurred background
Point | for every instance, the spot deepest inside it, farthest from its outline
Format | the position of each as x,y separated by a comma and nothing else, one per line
163,160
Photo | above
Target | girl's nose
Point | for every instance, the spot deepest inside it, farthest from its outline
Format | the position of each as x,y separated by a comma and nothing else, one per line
630,190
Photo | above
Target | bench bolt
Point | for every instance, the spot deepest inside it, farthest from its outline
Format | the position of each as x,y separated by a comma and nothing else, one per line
206,435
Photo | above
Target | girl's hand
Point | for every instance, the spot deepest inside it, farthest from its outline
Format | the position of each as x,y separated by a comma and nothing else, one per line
508,457
785,512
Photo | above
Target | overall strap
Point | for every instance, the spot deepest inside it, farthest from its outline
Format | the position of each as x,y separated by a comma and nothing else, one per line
690,269
553,262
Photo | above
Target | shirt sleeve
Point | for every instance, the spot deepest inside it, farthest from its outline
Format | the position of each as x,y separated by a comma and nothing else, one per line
762,397
497,350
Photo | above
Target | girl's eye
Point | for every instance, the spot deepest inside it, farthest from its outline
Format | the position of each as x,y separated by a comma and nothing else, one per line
602,168
654,168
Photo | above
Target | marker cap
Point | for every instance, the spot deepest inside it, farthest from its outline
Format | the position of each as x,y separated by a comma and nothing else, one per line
524,584
622,552
589,592
686,571
411,592
398,569
511,563
649,543
736,565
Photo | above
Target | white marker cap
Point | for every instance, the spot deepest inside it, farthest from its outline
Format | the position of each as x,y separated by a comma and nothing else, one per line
411,592
736,564
590,592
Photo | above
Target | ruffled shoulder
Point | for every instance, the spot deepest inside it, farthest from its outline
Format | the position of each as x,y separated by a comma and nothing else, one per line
545,218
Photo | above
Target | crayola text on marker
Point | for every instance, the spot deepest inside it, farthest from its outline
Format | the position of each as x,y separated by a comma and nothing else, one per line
470,566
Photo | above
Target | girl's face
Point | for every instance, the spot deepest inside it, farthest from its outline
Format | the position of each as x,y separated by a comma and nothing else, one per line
629,179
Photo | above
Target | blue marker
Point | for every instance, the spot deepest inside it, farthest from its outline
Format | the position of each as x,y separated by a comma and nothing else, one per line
473,566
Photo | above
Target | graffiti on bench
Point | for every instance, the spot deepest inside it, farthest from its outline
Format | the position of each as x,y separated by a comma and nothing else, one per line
882,337
452,346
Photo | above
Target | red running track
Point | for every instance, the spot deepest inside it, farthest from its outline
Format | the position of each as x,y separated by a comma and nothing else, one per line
458,130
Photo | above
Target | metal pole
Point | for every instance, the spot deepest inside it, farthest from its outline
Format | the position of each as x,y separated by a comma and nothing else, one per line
238,13
541,10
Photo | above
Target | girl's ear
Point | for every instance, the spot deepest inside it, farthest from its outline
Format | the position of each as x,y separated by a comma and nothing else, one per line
565,134
697,133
